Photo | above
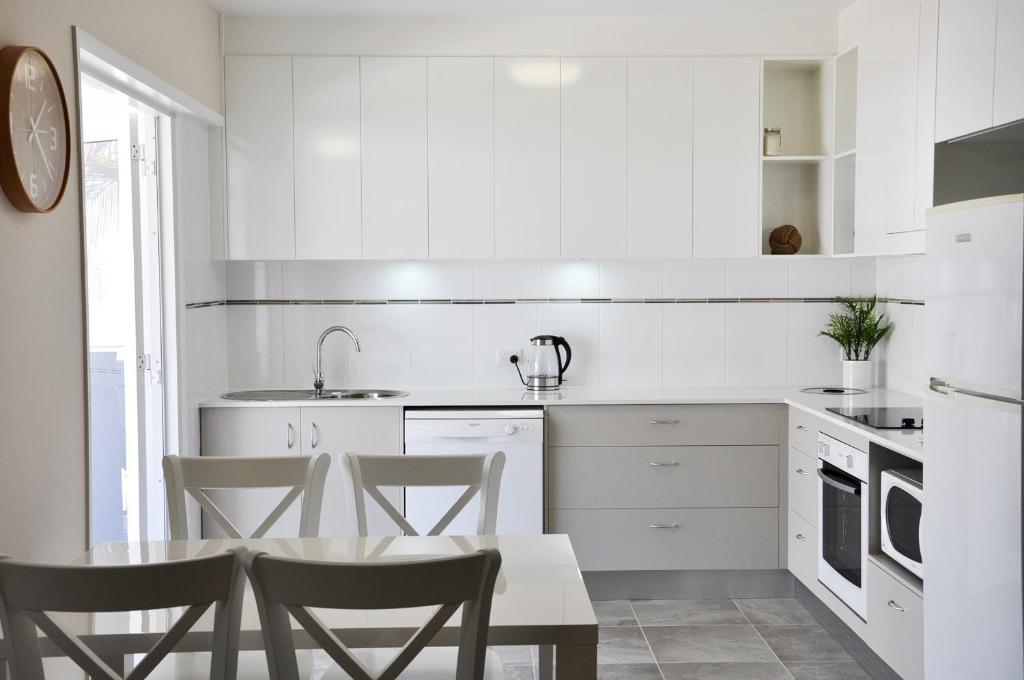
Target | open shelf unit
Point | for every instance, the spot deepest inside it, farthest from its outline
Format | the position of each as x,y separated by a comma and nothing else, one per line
796,187
845,153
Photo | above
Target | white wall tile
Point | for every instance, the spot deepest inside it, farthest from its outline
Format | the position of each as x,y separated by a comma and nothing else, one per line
249,280
694,344
820,277
813,359
255,346
630,279
757,278
901,356
579,324
315,280
505,279
568,279
693,279
383,332
410,280
498,327
630,352
902,277
755,344
441,346
864,276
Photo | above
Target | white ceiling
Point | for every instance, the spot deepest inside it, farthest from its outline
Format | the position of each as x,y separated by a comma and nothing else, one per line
518,8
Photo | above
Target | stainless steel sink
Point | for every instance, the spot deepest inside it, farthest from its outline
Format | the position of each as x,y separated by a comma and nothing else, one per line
311,395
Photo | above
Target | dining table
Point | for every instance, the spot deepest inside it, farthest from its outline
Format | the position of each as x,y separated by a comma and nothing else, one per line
539,599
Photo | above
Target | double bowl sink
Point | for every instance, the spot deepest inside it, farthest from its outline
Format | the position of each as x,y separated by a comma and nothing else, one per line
311,395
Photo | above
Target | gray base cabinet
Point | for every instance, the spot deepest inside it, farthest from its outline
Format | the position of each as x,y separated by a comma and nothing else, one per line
895,623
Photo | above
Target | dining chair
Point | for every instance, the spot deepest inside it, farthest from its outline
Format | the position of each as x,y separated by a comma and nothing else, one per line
479,473
195,475
287,588
29,591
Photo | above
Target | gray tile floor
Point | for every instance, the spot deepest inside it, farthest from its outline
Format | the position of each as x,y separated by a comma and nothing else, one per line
707,640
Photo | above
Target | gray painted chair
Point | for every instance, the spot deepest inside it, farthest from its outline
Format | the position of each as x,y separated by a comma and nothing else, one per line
287,588
29,591
196,475
478,473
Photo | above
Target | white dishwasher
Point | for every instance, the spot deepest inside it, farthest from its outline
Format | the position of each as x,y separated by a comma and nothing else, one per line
517,432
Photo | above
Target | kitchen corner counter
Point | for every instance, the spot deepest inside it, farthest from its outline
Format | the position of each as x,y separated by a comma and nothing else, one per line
906,443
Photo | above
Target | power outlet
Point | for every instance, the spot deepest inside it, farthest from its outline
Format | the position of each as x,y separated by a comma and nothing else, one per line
503,356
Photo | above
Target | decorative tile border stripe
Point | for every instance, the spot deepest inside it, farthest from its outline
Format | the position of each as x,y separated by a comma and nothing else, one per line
513,301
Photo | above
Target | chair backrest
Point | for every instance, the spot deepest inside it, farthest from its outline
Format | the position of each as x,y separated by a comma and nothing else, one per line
195,475
479,473
288,588
29,591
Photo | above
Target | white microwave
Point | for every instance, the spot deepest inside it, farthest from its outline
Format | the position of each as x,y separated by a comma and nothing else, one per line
901,505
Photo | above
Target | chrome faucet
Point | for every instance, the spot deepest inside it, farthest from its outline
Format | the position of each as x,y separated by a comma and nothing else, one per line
318,373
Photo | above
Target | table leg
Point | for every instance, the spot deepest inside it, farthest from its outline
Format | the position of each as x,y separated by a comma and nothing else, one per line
576,662
119,662
546,662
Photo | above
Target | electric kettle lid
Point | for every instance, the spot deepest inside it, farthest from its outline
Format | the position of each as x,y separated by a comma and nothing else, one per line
544,339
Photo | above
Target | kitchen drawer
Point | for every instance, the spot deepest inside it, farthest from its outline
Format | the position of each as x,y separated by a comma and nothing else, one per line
895,623
663,477
803,550
664,425
803,431
803,485
711,538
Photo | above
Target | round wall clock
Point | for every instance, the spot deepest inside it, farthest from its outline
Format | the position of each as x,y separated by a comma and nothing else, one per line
34,154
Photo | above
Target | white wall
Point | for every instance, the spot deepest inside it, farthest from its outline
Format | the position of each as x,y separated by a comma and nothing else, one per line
901,360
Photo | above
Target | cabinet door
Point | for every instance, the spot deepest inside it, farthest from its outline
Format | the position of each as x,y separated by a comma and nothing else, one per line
258,119
527,162
726,152
264,431
328,214
660,148
460,133
966,67
1009,80
594,157
393,100
895,623
336,430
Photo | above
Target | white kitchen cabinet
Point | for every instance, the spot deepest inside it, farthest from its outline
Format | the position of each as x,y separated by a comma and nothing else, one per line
460,144
1008,104
593,157
660,157
393,101
966,67
895,623
726,152
328,210
258,114
527,157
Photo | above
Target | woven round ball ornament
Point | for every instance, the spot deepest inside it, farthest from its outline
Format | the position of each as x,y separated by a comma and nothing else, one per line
785,240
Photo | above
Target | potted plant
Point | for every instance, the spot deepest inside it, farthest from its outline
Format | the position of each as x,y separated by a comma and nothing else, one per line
857,328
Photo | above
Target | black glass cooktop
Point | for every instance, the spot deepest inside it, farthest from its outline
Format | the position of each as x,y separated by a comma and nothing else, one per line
887,418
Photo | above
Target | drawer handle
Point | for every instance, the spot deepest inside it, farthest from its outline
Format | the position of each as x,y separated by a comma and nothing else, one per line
801,428
672,463
894,605
667,421
664,526
291,436
801,537
314,436
801,471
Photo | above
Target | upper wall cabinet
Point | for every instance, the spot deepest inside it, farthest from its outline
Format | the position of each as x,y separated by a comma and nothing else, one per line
527,157
593,157
394,155
1008,103
460,141
660,157
328,211
259,158
726,150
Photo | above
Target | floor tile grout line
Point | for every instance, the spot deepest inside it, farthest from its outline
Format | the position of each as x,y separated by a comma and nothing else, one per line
763,639
657,664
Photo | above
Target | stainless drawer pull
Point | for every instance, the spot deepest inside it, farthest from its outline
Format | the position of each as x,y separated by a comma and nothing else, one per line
673,525
801,428
893,605
667,421
291,436
672,463
801,537
314,436
801,471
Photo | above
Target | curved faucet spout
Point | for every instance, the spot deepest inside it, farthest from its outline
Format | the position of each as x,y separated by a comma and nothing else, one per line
318,373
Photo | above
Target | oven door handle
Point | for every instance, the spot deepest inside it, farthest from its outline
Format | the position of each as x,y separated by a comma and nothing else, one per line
837,483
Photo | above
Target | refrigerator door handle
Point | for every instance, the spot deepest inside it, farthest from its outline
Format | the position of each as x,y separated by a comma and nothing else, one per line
942,387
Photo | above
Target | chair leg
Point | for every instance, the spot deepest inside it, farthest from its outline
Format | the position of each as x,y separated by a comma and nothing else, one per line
119,662
576,662
546,662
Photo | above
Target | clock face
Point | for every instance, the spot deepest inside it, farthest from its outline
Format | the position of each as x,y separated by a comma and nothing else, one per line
38,130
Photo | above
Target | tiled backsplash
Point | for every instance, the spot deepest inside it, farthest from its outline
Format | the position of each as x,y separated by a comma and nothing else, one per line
705,322
901,359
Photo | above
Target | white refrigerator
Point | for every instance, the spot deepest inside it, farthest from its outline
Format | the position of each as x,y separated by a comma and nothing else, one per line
971,522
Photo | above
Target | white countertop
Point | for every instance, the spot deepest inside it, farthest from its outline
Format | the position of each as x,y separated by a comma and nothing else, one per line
905,443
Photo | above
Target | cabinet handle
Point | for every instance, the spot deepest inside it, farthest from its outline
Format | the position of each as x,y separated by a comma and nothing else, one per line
801,471
314,436
667,421
802,428
801,537
894,605
291,436
664,526
672,463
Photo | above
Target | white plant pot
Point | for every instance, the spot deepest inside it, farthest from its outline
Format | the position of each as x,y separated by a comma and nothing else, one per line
858,375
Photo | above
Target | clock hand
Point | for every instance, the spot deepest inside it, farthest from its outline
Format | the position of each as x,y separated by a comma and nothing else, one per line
49,168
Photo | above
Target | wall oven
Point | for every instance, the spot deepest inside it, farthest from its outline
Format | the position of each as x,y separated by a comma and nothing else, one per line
901,495
843,506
